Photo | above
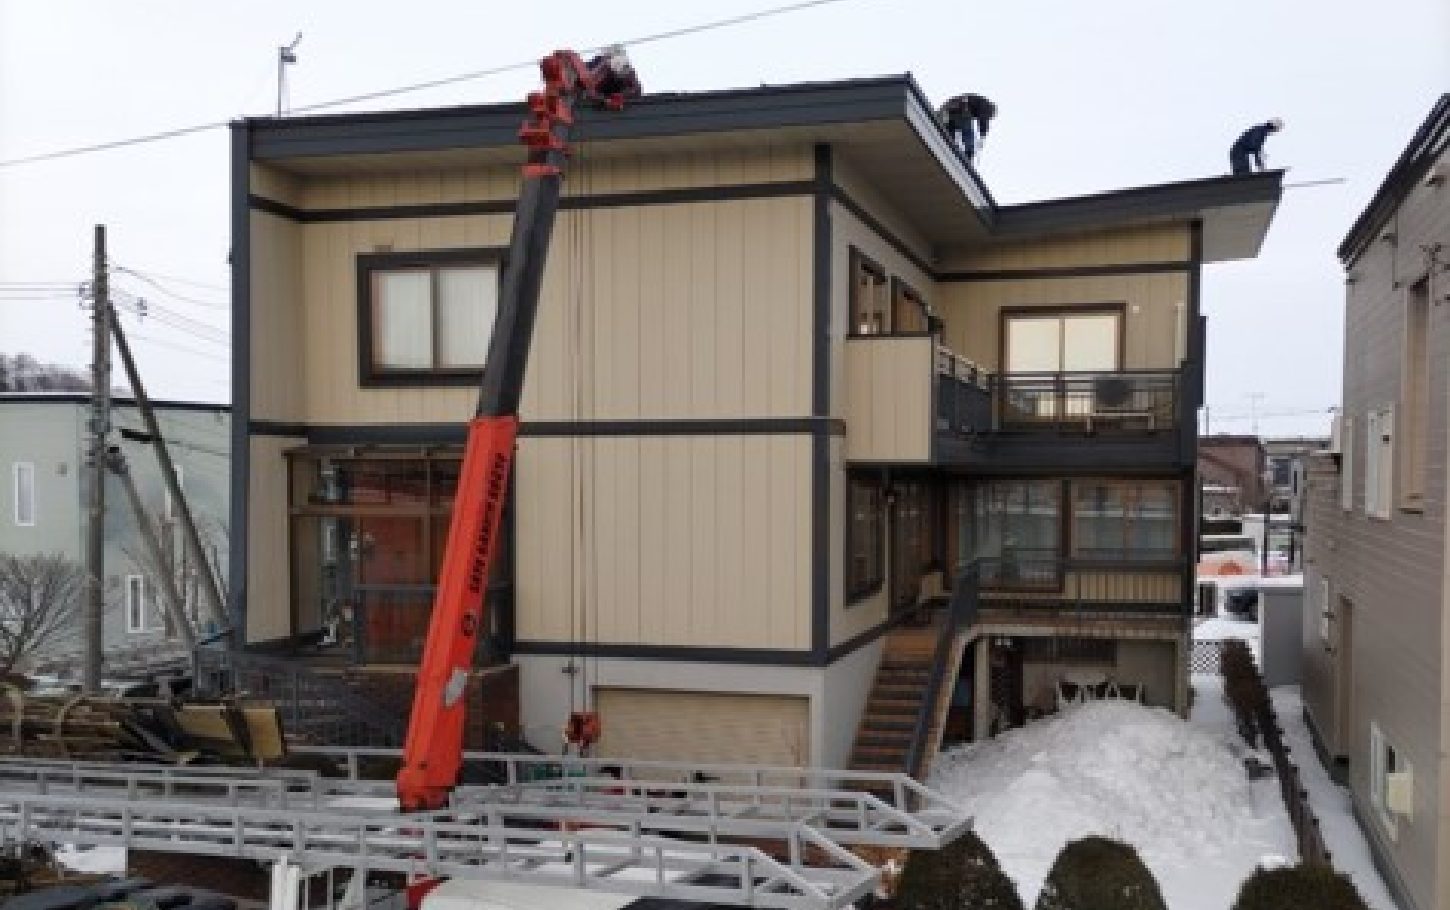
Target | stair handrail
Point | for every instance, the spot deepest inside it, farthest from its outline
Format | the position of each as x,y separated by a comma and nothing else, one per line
961,607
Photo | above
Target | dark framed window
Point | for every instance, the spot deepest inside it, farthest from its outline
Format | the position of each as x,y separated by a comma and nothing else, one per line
910,313
426,317
870,297
1016,527
865,536
1125,519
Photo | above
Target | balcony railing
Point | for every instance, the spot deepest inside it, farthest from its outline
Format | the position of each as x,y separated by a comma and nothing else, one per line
1090,402
963,394
1030,584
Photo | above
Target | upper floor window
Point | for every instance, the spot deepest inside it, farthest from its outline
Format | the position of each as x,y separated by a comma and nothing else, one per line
140,606
910,313
870,297
1062,341
426,316
1415,395
24,489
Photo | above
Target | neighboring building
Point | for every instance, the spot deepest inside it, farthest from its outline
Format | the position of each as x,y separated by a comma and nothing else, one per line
1285,458
1375,633
1231,474
795,372
43,439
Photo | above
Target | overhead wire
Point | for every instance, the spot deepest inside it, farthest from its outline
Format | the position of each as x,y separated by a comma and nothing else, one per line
417,86
185,298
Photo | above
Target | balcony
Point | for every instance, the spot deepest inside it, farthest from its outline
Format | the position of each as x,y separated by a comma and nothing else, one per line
904,392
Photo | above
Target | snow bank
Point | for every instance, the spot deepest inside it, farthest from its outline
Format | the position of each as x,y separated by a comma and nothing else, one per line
92,859
1178,793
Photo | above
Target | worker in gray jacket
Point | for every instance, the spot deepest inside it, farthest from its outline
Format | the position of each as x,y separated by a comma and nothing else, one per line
967,117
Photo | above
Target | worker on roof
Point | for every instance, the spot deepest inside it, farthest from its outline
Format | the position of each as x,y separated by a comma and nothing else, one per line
1250,146
615,78
967,117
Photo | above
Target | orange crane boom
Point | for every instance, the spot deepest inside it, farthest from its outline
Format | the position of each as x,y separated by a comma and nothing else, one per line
433,750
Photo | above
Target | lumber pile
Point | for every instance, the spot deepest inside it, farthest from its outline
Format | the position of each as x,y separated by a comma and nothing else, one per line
98,728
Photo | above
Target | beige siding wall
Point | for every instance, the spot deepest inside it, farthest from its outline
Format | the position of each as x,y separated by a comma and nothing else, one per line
704,727
849,232
701,541
888,385
1152,243
865,194
697,310
1394,570
1155,309
588,175
278,352
269,589
270,183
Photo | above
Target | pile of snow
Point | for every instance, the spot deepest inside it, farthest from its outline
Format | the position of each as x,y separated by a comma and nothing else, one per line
92,859
1176,792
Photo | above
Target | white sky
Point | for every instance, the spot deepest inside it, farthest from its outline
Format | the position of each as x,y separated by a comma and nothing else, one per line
1091,95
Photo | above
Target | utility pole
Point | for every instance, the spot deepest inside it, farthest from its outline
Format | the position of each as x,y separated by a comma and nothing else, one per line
171,595
99,427
216,607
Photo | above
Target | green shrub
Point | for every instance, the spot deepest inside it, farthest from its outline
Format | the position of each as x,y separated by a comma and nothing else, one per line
1243,689
963,875
1306,887
1096,873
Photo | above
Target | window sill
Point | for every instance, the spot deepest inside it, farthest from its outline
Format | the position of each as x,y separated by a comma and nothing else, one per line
402,378
1413,507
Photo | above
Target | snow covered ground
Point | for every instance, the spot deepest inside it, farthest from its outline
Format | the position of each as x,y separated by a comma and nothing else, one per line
1177,791
1347,846
92,859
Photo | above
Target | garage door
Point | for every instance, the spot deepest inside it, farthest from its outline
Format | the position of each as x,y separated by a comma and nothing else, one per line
703,727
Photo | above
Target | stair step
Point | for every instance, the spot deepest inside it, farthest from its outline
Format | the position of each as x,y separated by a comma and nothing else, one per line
891,724
899,693
891,742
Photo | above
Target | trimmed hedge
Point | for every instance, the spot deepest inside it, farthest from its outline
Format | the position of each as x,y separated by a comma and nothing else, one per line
963,875
1243,689
1096,873
1303,887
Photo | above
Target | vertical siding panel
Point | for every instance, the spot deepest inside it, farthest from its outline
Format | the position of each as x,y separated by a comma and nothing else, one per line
755,315
677,305
653,567
705,539
730,311
654,343
754,555
704,310
679,530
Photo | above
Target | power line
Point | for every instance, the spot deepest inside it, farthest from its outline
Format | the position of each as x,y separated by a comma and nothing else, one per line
417,86
152,273
185,298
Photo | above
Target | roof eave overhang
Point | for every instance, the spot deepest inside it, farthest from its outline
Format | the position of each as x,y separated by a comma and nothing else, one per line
1235,212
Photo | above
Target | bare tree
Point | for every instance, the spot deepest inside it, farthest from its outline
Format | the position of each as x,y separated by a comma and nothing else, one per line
40,601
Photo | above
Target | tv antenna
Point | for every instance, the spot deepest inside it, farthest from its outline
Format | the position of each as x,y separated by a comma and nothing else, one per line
286,54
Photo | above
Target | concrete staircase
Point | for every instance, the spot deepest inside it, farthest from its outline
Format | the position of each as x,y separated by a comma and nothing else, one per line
911,657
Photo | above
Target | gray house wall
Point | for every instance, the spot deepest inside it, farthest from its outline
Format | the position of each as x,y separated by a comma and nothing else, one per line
49,432
1392,570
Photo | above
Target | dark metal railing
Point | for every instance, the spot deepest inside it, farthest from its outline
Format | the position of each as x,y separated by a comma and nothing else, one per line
315,707
1090,402
960,613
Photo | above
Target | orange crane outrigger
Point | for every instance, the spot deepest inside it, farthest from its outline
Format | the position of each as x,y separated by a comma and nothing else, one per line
433,750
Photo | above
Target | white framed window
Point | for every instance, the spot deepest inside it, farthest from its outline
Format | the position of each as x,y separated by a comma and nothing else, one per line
24,472
1390,781
1346,463
142,613
1326,615
1379,468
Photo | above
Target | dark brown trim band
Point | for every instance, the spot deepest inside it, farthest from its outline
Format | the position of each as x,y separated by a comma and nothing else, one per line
1069,271
773,190
418,433
884,232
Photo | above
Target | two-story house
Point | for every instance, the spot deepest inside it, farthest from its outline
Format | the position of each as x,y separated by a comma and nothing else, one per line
43,439
795,374
1376,588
